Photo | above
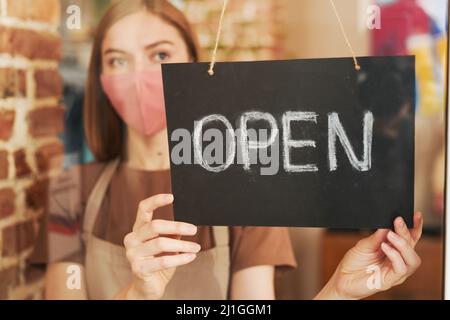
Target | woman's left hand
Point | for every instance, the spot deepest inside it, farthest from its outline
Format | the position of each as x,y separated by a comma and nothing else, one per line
376,263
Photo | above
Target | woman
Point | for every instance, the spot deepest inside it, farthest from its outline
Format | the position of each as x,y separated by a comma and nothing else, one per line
145,255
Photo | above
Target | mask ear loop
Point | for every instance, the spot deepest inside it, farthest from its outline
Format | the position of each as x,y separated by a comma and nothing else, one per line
219,32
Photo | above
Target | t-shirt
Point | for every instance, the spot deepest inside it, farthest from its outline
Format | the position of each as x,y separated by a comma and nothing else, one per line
249,246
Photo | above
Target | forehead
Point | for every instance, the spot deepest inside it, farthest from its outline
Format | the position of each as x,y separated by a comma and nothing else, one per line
138,30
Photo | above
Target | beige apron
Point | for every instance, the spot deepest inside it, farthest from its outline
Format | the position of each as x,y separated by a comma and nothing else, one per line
108,270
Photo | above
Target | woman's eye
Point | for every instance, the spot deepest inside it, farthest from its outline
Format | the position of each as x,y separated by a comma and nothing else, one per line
118,62
161,56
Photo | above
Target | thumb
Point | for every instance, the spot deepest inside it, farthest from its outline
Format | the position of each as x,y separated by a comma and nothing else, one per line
372,242
147,206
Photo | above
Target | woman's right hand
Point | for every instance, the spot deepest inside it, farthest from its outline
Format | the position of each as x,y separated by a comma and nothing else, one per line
154,249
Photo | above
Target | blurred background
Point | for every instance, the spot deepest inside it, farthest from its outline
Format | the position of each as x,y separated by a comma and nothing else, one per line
43,66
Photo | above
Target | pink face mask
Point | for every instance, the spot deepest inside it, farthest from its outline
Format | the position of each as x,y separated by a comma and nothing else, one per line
138,98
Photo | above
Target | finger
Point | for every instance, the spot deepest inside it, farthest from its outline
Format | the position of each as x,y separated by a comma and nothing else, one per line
165,227
405,249
402,230
373,242
147,206
131,240
162,245
416,232
148,266
398,265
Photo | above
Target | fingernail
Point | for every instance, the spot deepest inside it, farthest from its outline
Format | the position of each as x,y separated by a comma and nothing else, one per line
400,222
196,248
385,246
169,197
190,229
392,236
190,256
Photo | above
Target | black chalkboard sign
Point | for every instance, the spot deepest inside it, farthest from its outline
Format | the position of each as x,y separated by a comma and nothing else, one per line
309,143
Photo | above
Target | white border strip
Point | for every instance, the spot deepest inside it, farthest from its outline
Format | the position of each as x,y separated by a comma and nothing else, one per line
447,195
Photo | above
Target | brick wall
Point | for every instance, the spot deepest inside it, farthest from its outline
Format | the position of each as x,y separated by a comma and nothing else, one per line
250,29
31,118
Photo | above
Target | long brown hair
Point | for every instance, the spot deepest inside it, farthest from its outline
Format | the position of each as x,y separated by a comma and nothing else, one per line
103,126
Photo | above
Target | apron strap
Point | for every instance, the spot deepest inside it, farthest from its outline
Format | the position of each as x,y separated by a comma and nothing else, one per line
220,233
96,197
221,236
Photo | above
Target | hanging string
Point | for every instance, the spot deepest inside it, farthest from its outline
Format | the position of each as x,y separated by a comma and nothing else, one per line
219,32
355,61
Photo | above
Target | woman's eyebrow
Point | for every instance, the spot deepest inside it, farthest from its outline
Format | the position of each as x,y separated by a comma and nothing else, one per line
149,46
157,43
112,50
